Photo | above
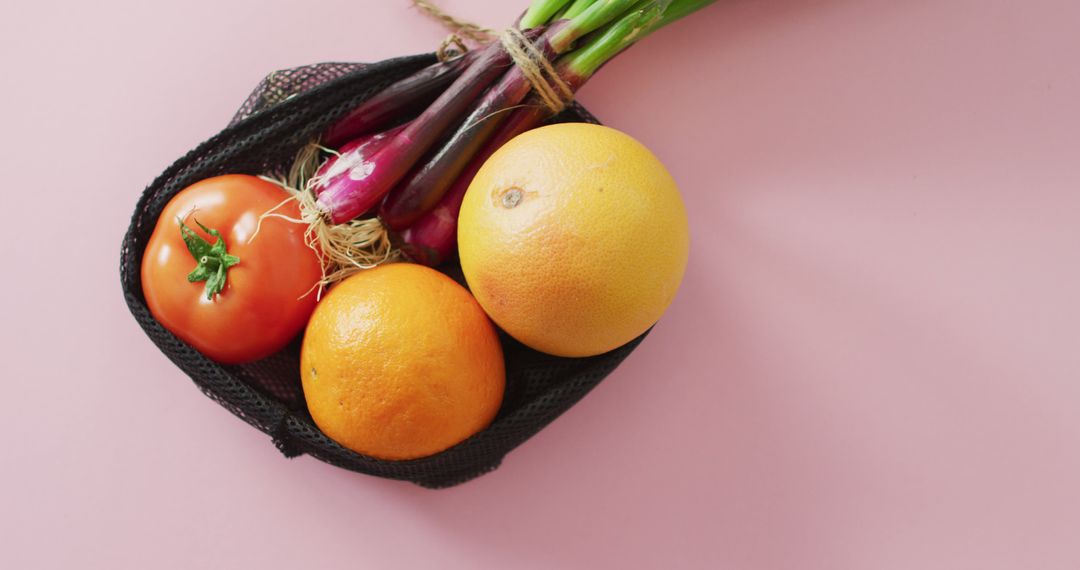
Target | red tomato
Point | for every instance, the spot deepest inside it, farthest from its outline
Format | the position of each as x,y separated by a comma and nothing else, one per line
267,295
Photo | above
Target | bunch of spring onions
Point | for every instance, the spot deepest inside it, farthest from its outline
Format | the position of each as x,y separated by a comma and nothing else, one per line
395,179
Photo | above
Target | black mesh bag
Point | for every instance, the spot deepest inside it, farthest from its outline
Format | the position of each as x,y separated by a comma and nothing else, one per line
286,110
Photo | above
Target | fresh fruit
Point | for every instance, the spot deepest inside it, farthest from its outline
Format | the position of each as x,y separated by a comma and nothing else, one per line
233,298
573,238
399,362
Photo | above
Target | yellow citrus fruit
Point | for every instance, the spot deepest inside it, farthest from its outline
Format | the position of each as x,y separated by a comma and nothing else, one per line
573,237
399,362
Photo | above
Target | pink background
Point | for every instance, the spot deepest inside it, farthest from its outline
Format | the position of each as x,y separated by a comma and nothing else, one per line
873,361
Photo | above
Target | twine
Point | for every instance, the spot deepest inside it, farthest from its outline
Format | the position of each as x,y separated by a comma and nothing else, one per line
538,70
450,48
467,30
553,91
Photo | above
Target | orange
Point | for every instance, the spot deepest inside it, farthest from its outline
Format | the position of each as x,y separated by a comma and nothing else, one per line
574,239
399,362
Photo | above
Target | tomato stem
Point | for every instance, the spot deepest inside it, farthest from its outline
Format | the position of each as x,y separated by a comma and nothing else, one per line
212,260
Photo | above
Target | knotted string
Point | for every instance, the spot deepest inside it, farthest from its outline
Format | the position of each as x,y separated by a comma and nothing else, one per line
468,30
459,29
538,70
547,84
450,48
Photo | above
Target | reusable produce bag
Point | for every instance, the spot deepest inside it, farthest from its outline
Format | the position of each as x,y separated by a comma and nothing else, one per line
287,110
